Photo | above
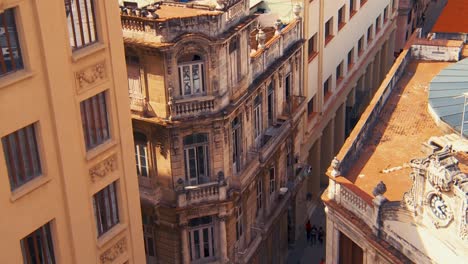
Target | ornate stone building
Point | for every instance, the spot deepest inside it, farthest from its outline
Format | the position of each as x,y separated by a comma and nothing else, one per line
217,104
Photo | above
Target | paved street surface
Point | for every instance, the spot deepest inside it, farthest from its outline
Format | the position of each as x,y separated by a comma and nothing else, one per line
305,253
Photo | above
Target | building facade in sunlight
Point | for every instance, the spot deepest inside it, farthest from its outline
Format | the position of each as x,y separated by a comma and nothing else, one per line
217,103
68,188
398,187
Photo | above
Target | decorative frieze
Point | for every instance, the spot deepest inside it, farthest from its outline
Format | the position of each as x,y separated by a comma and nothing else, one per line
103,168
114,252
91,76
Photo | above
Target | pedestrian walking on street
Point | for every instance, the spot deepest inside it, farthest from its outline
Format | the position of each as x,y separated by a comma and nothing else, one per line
313,234
321,233
308,228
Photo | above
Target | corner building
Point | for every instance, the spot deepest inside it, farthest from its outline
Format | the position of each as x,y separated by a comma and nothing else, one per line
68,189
217,106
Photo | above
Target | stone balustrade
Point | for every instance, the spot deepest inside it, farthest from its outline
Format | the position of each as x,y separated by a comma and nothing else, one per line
137,102
192,107
202,193
275,47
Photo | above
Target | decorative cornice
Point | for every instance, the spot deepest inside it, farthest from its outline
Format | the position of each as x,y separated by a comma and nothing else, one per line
105,167
90,76
114,252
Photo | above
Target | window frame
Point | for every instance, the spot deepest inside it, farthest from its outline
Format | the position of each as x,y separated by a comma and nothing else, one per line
106,125
239,222
341,17
18,64
312,47
94,7
202,149
13,147
201,75
259,195
328,30
257,117
199,229
237,147
272,180
48,240
112,193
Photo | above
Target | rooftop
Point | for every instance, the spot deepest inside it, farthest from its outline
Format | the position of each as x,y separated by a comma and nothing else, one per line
453,18
404,124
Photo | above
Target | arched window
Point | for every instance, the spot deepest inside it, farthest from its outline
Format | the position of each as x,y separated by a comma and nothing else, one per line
191,74
141,154
196,159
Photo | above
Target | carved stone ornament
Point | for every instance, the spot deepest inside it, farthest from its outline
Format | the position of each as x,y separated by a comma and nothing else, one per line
335,164
380,189
91,75
103,168
114,252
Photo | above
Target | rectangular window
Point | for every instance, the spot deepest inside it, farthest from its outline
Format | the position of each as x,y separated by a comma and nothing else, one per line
191,78
339,72
148,236
328,30
141,155
81,23
257,117
385,14
196,159
94,119
106,209
350,58
201,238
22,156
312,49
361,45
271,104
239,222
377,24
259,195
38,246
310,106
10,52
236,144
272,180
369,33
341,17
235,60
326,87
352,8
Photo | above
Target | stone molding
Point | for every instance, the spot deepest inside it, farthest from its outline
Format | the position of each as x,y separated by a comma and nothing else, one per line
103,168
91,76
114,252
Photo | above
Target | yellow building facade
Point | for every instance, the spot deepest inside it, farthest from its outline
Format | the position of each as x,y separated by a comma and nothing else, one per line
68,187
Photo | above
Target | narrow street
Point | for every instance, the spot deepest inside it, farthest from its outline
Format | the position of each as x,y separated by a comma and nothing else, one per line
308,253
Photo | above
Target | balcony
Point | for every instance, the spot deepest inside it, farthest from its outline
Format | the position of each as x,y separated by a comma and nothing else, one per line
292,107
137,102
275,134
203,193
165,21
192,107
275,47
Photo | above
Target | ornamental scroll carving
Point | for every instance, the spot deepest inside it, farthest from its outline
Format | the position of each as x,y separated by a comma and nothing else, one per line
103,168
91,75
114,252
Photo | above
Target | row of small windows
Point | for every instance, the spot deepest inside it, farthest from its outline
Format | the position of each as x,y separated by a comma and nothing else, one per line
38,247
81,23
23,161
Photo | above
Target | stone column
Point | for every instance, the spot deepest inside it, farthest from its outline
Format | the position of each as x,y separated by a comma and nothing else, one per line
377,76
222,239
185,243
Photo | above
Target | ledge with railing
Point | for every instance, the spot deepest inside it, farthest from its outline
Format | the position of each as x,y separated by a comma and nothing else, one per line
192,107
268,52
202,193
137,102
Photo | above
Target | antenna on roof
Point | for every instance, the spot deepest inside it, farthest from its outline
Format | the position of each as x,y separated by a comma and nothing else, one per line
465,105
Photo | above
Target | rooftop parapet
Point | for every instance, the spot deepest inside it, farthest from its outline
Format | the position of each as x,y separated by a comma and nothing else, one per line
165,21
